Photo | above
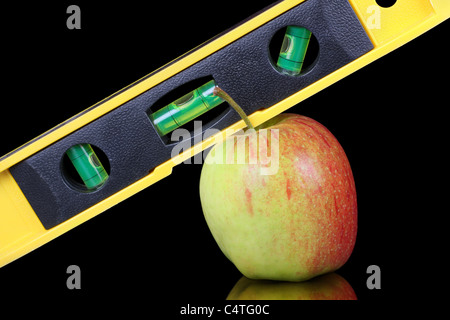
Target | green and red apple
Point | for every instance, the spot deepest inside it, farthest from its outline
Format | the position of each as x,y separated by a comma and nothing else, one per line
293,223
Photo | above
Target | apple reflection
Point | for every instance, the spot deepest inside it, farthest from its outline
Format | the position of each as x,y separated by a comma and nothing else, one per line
330,286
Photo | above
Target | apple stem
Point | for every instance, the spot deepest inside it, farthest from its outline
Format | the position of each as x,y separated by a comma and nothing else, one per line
217,91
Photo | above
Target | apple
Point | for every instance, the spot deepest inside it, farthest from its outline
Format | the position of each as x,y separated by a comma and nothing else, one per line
330,286
293,224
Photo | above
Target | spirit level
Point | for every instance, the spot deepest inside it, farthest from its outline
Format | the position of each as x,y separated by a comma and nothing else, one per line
38,203
87,165
293,50
185,109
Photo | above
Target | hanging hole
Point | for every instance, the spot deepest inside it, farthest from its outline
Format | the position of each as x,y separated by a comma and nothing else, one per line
85,168
293,50
385,3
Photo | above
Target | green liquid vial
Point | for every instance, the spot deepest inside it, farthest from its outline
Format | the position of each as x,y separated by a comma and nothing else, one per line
87,165
293,50
185,109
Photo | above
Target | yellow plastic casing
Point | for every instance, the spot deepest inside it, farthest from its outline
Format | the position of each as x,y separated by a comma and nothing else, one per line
388,28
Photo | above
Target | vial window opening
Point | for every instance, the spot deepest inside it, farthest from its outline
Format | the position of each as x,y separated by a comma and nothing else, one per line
85,168
199,104
293,50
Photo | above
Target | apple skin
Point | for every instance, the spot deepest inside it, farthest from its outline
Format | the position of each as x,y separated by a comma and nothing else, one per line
329,286
293,225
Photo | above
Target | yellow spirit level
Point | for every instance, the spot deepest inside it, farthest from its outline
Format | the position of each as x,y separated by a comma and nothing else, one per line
38,199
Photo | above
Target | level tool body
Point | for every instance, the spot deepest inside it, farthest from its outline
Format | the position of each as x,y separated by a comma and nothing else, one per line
39,199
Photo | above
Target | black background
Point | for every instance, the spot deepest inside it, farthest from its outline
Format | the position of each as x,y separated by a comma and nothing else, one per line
155,248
